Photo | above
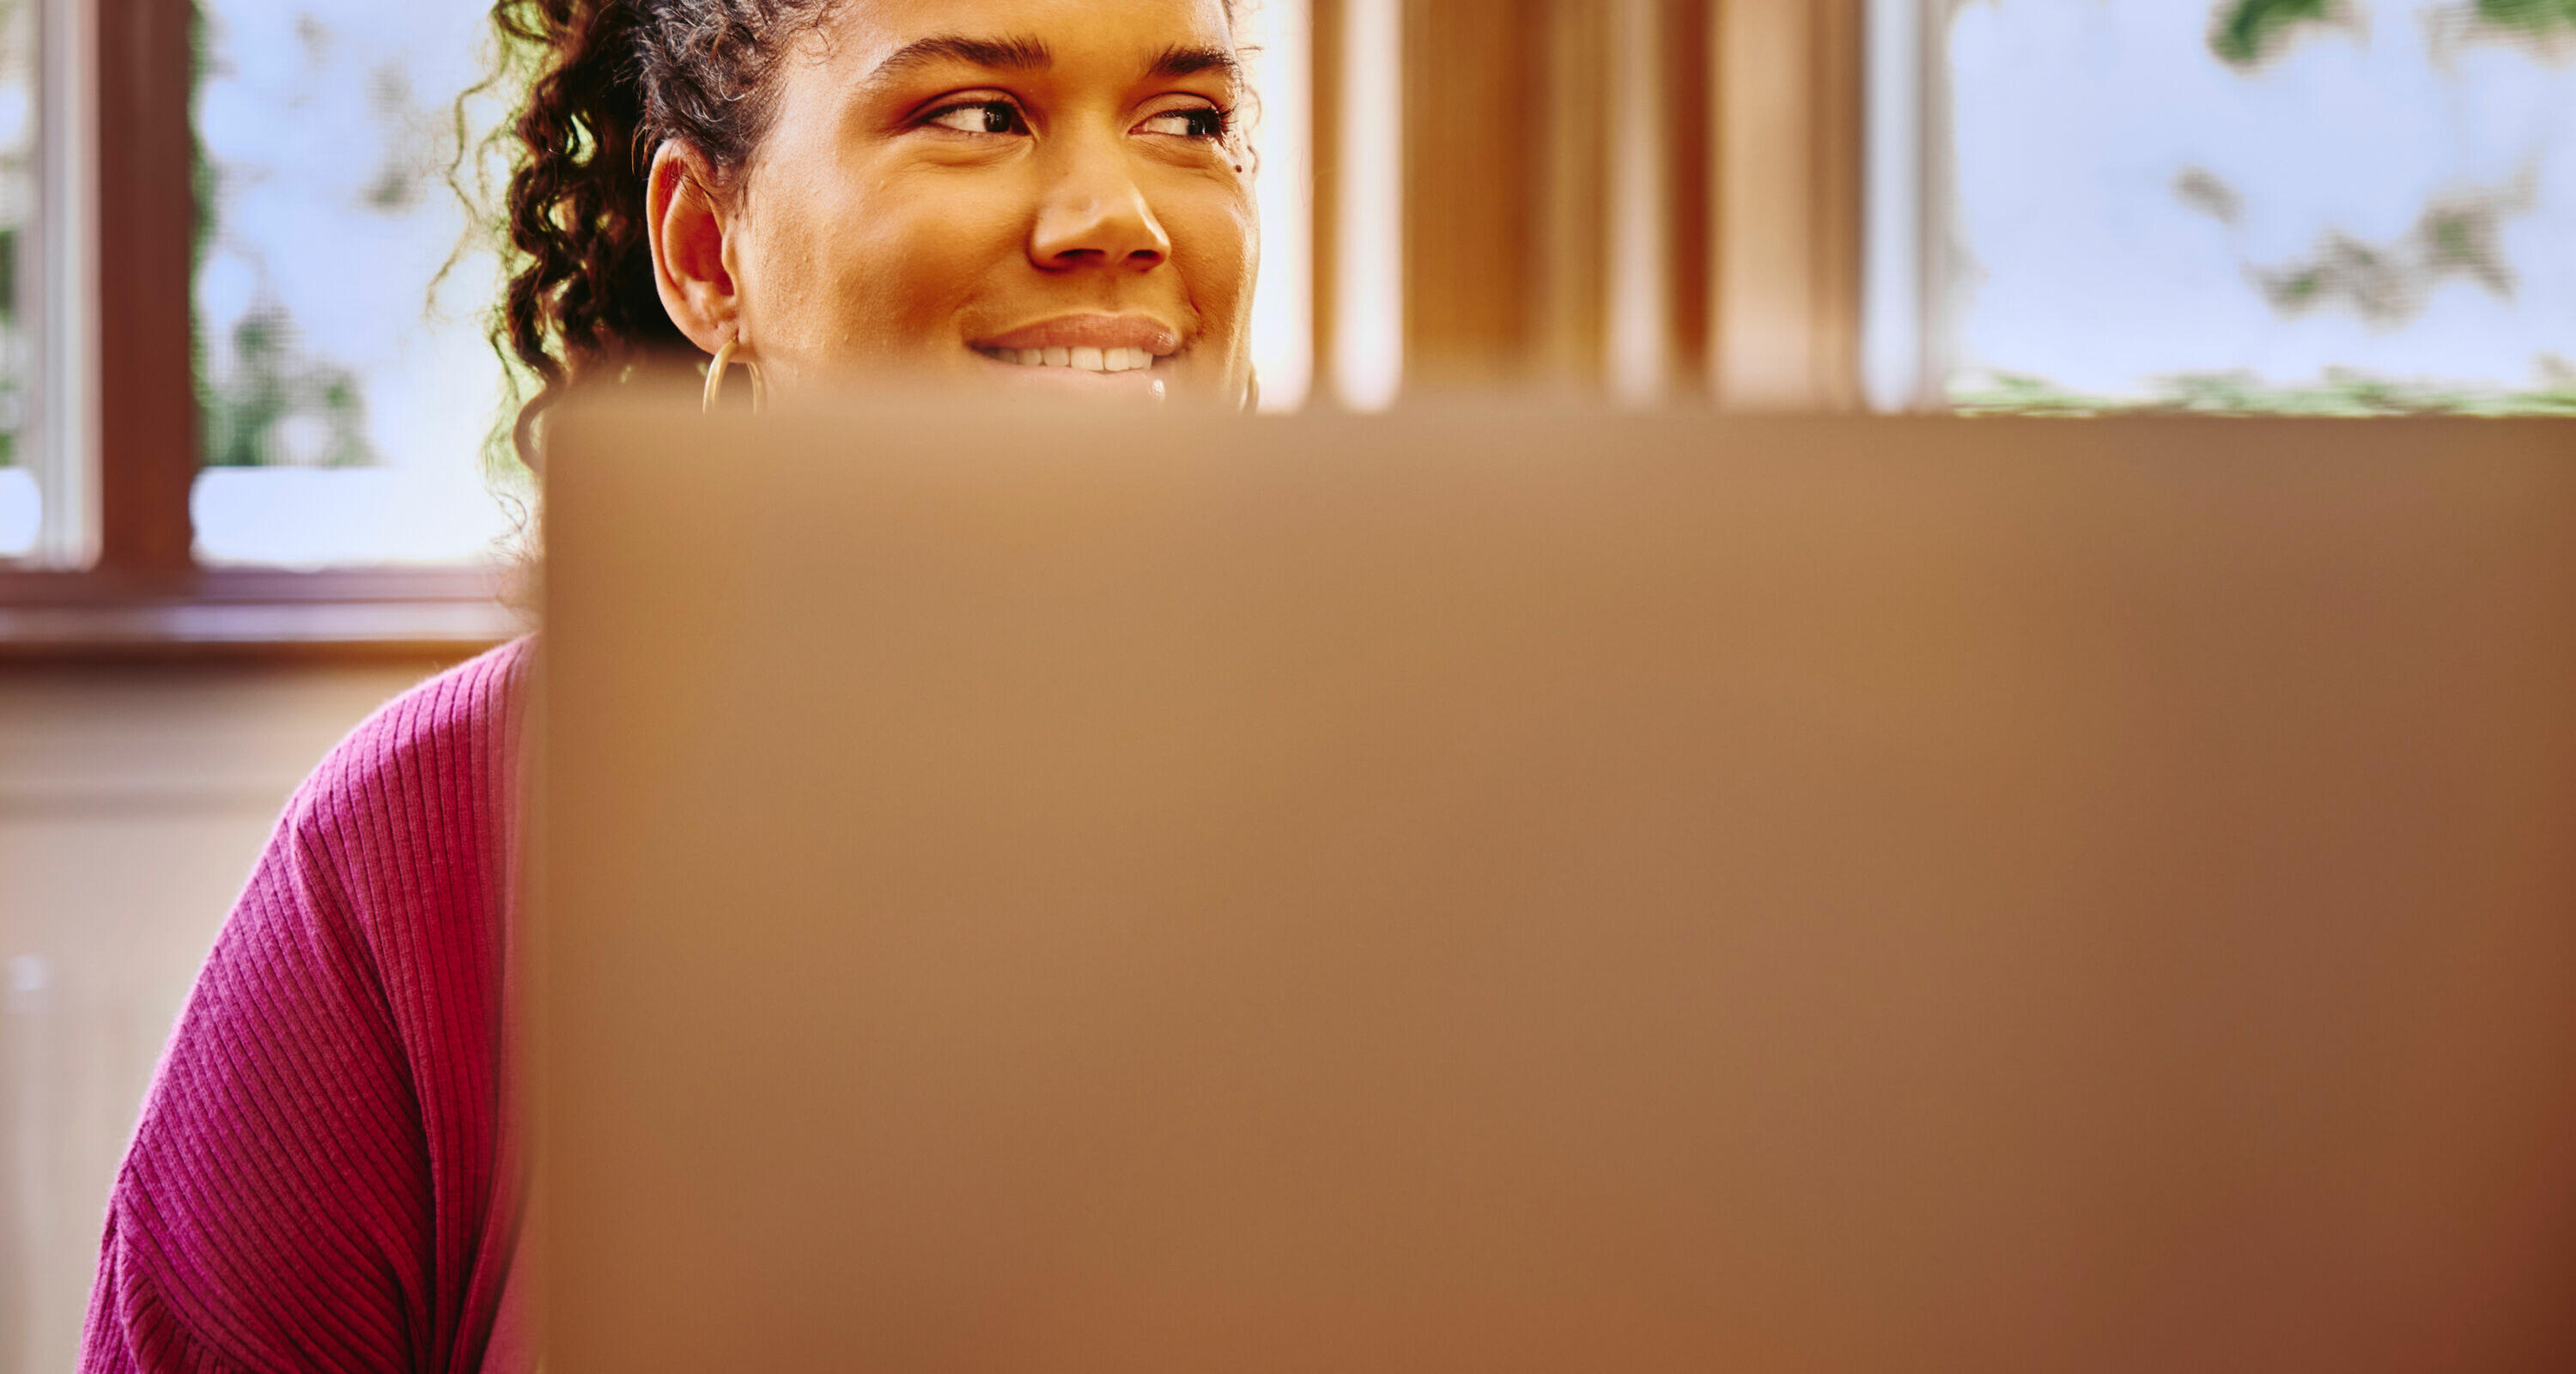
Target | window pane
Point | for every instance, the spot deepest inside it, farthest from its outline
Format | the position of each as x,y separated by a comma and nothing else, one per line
2253,204
20,504
345,411
22,509
1278,35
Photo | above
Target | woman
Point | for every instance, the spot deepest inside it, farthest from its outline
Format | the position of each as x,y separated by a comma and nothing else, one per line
1040,194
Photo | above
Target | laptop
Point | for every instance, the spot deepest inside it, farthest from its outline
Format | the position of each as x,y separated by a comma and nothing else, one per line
1512,889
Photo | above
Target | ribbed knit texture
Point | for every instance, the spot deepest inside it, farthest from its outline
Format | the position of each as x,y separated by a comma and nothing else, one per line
324,1174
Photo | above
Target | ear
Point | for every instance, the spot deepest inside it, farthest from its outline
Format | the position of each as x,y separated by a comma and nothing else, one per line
692,258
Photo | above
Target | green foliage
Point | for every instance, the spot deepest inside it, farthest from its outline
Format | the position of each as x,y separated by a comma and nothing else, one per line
245,413
12,383
2249,30
271,384
10,402
2344,395
2529,16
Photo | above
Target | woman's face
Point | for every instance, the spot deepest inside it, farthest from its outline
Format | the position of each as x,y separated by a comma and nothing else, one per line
1041,194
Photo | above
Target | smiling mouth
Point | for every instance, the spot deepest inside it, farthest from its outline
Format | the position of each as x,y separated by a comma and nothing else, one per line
1070,348
1085,359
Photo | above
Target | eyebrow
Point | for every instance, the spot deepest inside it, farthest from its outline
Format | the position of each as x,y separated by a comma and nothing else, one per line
1001,54
1030,54
1178,61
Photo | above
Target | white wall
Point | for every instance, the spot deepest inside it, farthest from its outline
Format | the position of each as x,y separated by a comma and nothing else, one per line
132,804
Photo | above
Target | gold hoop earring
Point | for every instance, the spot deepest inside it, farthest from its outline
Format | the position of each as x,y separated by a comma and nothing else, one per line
721,364
1251,391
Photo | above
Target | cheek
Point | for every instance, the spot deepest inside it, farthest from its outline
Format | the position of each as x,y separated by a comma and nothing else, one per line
1217,250
861,277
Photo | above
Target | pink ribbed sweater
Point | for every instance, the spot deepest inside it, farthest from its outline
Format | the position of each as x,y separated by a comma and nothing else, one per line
324,1174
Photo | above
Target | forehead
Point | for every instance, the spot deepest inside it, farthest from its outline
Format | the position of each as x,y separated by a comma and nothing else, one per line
1079,34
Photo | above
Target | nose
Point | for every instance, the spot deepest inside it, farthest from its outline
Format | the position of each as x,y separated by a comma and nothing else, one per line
1094,215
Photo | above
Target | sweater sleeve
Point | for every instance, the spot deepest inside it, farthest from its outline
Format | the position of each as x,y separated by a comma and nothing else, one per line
273,1208
319,1181
130,1330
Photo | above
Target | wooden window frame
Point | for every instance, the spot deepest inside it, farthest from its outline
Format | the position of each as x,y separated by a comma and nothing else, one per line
142,592
1790,129
1508,133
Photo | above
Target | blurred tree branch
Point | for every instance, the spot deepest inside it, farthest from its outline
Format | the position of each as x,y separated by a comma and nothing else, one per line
2248,31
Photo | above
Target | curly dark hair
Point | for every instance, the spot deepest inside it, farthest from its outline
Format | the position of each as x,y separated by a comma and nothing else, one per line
612,80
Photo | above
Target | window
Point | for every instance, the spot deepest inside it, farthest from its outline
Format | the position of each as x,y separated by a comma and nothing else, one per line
2249,205
345,387
1277,35
104,373
21,496
273,427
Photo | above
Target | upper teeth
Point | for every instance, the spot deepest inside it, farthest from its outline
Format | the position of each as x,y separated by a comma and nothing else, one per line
1087,359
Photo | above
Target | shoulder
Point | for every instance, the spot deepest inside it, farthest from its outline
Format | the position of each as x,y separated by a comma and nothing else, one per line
395,859
450,741
405,837
474,693
462,720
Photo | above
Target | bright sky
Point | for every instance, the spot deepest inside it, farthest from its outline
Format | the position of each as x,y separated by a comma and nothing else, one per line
2082,265
306,109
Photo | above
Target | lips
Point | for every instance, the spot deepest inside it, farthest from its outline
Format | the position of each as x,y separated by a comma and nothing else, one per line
1091,331
1107,333
1089,356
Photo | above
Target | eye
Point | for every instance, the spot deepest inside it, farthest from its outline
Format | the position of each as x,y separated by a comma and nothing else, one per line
980,117
1204,122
